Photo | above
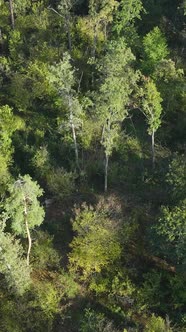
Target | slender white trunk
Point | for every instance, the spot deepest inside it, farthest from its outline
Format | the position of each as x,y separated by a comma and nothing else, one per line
74,134
12,14
106,172
153,150
28,232
93,52
68,32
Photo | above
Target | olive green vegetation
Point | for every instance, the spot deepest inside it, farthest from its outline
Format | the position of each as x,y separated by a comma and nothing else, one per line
92,166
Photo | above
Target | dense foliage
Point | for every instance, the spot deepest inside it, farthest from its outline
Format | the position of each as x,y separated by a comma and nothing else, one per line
92,165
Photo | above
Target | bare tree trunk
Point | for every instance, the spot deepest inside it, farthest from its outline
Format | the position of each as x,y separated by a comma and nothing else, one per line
68,32
153,150
12,14
74,135
1,41
93,52
106,171
28,232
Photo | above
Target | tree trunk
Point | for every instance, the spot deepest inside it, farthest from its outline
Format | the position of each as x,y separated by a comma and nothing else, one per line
12,14
29,243
28,232
1,42
153,150
106,171
68,32
93,53
74,135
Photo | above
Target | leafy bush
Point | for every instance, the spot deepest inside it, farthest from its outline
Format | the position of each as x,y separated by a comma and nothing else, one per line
61,183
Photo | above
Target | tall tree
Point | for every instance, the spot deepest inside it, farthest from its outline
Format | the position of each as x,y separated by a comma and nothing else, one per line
155,50
9,123
126,14
24,208
64,11
63,78
151,108
171,227
101,14
94,26
11,6
12,264
118,81
92,247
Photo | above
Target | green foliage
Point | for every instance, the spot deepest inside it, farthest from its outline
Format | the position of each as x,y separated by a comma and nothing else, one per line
176,177
22,314
12,264
92,321
155,50
24,191
68,287
151,106
8,125
41,162
94,28
16,47
151,294
126,14
43,254
62,75
95,322
119,80
61,183
47,297
172,226
20,6
157,324
96,245
126,255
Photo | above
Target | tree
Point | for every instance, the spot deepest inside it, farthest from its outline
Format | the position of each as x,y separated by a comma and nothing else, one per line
158,324
24,208
151,108
118,81
63,78
170,82
171,226
95,246
126,13
16,6
9,123
64,7
12,13
12,264
93,321
176,177
101,14
155,50
94,26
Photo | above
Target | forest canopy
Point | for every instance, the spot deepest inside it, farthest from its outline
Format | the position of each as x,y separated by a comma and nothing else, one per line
92,165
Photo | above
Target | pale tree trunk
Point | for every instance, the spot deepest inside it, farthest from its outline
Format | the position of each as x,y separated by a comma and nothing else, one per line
74,135
1,41
28,232
93,52
67,26
106,171
153,150
12,14
68,32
